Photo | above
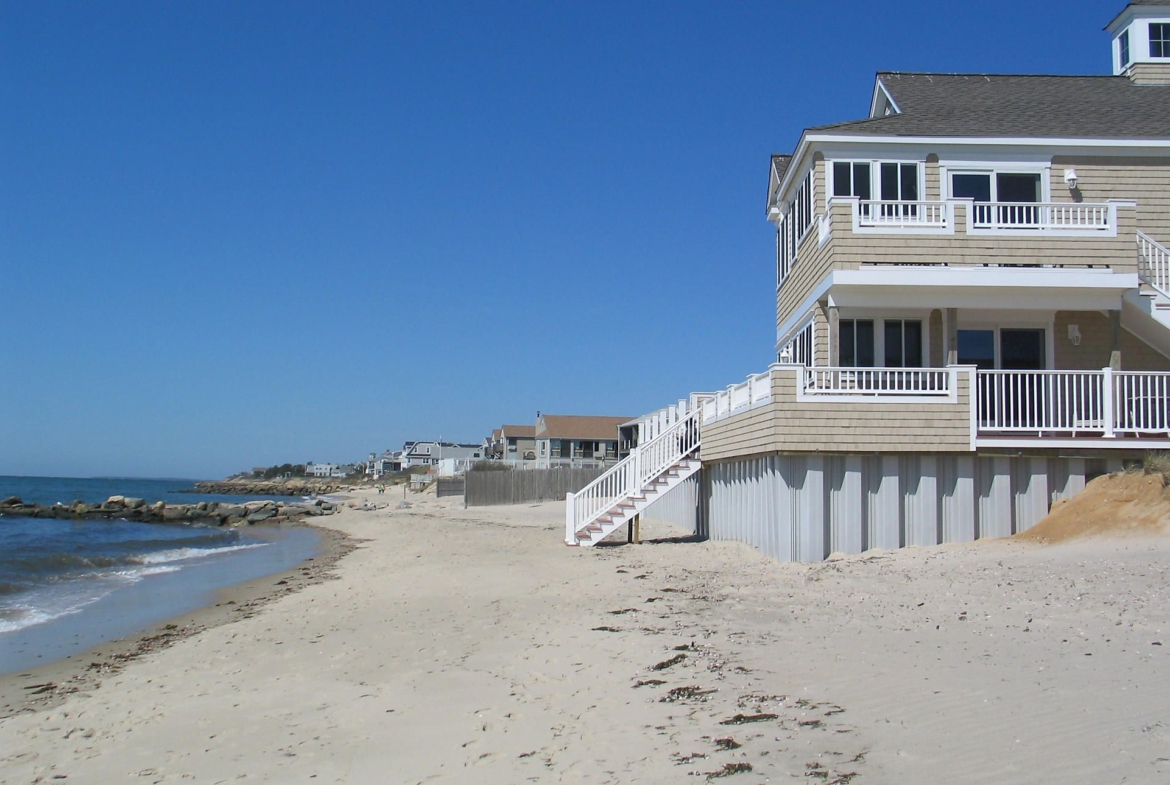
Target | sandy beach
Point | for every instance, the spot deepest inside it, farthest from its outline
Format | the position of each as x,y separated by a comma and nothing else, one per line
472,646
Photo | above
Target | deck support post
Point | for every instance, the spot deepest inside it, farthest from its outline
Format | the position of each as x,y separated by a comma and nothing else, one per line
953,337
1115,340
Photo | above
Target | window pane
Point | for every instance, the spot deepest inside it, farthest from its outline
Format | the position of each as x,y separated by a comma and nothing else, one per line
1021,350
1159,39
977,347
889,182
846,354
909,182
861,181
842,186
893,331
1124,46
1018,187
912,341
971,186
865,343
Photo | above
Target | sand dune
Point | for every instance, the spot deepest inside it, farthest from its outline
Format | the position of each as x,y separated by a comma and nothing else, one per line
472,646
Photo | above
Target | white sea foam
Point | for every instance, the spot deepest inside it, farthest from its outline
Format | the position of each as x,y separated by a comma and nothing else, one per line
183,554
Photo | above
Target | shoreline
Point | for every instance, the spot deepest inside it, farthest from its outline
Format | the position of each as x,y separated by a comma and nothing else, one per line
51,684
461,645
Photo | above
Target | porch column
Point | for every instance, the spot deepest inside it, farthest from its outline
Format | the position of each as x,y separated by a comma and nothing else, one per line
1115,340
834,334
952,336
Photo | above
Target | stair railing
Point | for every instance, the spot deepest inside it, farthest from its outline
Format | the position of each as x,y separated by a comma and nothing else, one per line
630,475
1154,263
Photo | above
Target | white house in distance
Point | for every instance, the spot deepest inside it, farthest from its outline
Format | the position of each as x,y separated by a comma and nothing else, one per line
430,453
972,316
329,470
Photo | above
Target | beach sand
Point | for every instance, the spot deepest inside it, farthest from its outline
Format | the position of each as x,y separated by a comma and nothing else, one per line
472,646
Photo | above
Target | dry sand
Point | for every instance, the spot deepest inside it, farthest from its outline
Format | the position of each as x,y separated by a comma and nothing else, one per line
471,646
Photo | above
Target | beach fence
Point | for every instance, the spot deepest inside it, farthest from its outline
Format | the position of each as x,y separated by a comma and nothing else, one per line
449,486
487,488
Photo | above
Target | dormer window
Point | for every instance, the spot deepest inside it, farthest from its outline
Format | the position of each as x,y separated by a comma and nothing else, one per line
1159,39
1123,48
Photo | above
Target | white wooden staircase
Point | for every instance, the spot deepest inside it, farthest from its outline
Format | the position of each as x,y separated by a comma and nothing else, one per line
637,481
1146,311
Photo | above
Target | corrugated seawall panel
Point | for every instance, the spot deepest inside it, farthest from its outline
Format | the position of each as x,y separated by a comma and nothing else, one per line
800,507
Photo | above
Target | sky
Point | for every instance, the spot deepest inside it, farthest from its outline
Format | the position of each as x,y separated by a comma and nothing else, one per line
243,234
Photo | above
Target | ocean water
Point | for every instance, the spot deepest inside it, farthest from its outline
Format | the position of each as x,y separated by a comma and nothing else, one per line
51,490
66,586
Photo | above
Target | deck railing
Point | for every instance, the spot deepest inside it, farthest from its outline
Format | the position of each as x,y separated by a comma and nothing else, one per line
1154,263
1048,403
757,389
877,381
1041,216
630,475
903,215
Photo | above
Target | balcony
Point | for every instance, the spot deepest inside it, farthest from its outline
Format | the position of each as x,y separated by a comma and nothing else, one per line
999,218
952,409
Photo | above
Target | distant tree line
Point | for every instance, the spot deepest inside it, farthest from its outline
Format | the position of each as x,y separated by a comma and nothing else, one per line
285,469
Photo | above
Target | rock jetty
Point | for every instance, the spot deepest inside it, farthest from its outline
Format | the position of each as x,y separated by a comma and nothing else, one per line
209,513
293,487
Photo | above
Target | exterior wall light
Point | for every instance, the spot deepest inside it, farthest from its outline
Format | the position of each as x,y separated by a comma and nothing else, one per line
1074,334
1070,177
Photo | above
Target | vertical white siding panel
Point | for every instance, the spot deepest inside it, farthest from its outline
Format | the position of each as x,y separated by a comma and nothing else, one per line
811,537
884,521
922,506
1032,493
959,500
995,499
847,516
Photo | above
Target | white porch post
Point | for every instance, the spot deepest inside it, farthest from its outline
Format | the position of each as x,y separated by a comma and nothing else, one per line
1107,403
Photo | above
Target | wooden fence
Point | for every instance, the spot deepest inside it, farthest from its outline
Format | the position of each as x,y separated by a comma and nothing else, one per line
487,488
449,486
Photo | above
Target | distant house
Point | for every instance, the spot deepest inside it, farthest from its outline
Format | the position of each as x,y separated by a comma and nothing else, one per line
576,440
328,470
386,463
513,443
430,453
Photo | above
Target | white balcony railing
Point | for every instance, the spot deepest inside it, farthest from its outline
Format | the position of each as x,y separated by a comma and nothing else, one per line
1041,217
877,382
1045,403
756,390
904,215
1154,263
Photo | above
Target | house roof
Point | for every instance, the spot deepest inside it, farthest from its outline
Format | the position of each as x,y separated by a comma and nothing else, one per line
519,431
562,426
1132,3
1010,105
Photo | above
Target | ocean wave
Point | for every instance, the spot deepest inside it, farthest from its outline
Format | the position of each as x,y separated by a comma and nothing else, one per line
183,554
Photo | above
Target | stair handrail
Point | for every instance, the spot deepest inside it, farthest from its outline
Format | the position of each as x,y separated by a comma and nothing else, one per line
1153,263
631,474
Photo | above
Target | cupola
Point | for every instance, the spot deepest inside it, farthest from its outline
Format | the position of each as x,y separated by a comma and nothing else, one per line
1141,42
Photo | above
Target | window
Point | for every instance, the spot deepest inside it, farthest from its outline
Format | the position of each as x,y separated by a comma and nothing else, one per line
793,227
899,182
1123,49
1159,39
1014,191
903,339
800,349
851,179
856,339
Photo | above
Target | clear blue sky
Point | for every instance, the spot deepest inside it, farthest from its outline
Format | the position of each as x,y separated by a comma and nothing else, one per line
243,233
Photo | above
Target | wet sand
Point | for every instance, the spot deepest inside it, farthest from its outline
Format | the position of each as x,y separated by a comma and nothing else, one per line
473,646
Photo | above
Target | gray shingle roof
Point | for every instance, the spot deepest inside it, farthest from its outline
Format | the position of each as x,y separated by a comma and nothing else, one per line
1137,2
1093,107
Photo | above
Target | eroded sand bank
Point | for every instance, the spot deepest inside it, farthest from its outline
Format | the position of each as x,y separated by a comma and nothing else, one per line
472,646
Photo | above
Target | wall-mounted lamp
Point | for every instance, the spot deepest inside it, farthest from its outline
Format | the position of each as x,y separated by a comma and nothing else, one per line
786,354
1070,177
1074,334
